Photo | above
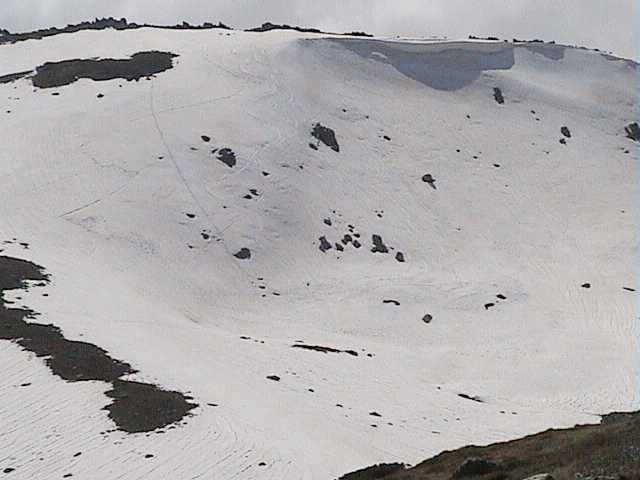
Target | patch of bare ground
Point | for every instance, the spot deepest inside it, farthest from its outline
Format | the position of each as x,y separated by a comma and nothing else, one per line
607,451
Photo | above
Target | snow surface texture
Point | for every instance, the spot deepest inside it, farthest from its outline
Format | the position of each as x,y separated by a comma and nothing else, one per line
180,219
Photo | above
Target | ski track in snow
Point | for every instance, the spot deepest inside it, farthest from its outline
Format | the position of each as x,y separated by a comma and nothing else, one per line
137,222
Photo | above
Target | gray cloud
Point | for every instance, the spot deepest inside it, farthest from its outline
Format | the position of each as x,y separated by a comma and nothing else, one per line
609,25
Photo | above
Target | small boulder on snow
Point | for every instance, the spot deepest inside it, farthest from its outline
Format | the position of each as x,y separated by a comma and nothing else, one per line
428,178
633,131
326,136
243,254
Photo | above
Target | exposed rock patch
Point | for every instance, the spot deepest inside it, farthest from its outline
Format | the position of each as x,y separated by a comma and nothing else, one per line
139,65
318,348
243,254
633,131
470,397
378,245
99,24
137,406
12,77
497,95
141,407
227,156
391,302
324,244
326,136
428,178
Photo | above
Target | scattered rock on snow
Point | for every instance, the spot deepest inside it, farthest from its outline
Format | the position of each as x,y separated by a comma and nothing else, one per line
497,94
378,245
633,131
324,244
227,156
470,397
565,131
243,254
428,178
326,136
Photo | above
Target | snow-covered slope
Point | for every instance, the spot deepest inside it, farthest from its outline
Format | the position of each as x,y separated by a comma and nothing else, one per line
136,220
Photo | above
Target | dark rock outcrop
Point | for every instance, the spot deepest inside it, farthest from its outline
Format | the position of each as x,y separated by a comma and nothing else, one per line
326,136
633,131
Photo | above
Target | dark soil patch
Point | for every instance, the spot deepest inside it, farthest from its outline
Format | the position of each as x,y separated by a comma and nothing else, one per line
139,65
137,406
497,95
609,450
326,136
227,156
632,130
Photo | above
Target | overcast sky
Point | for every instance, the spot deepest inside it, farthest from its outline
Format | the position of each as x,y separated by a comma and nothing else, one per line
606,24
